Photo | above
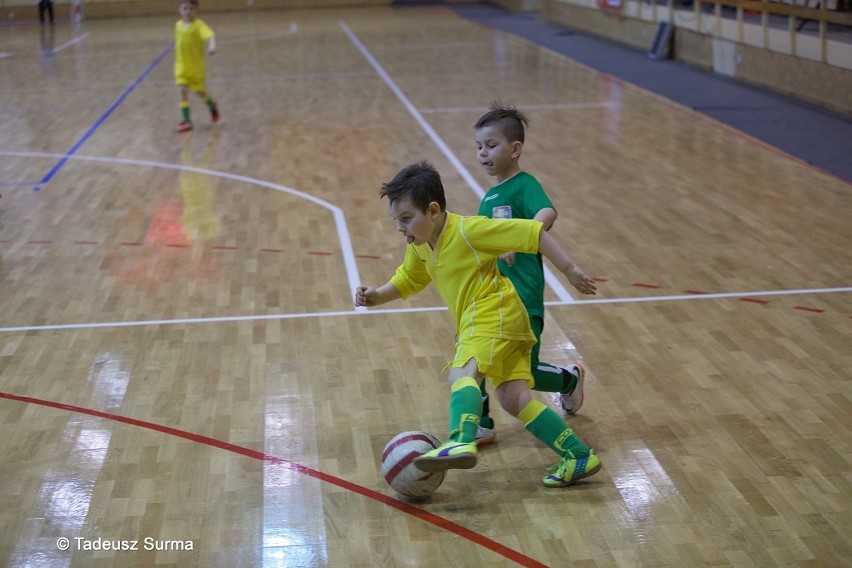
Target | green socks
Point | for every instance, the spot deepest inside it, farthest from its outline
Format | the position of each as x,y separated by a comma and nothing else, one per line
465,409
550,378
485,420
543,423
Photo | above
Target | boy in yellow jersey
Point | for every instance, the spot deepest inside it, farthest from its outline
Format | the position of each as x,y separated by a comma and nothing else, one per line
459,254
192,35
518,195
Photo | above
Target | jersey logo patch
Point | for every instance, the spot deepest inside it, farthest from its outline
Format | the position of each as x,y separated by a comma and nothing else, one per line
490,197
502,212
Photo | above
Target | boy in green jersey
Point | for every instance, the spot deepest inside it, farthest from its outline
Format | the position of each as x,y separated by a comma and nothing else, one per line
459,256
518,195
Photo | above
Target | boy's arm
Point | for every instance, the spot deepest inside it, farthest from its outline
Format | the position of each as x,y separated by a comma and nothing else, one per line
546,216
369,297
551,250
211,45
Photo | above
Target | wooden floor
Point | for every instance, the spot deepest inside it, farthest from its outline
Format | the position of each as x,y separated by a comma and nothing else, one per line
181,366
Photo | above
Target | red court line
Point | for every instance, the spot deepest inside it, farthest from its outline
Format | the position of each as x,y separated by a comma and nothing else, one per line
808,309
184,245
426,516
754,300
374,257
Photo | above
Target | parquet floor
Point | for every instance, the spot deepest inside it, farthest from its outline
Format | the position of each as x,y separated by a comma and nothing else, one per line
182,370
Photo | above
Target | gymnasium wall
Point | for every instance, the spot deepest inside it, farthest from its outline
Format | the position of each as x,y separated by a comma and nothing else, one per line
11,10
823,84
518,5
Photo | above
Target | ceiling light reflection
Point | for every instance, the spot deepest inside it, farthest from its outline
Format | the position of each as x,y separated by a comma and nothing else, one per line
640,487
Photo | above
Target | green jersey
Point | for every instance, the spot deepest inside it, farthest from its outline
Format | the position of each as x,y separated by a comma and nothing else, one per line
520,197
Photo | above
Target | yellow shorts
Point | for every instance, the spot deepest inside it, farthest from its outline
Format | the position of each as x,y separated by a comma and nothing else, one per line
500,360
197,84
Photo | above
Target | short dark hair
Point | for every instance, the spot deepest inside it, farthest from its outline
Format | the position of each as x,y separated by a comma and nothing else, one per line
420,182
508,119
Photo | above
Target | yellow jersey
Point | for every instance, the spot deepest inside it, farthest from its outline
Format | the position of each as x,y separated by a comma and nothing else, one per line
190,46
463,267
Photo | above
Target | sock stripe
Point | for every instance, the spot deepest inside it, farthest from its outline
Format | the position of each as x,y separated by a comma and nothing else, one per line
531,411
464,382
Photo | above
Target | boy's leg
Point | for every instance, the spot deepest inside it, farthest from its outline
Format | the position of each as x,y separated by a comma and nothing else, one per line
459,452
571,399
465,405
546,379
545,424
578,459
486,432
568,382
211,104
186,123
214,109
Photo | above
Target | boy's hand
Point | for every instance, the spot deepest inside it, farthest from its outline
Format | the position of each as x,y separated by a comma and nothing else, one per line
584,284
509,258
365,296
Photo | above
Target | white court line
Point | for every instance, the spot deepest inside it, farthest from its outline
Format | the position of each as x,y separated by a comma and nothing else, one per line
70,42
339,218
267,317
252,38
679,297
554,283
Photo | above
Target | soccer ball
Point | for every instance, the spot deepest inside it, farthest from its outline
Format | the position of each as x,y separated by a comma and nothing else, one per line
398,467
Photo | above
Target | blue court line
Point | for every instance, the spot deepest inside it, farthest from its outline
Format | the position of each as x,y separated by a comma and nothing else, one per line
101,120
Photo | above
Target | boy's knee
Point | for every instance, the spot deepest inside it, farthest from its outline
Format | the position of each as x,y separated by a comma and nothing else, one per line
463,382
514,396
469,369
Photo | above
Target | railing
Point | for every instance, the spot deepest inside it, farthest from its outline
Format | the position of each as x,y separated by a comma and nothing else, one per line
814,33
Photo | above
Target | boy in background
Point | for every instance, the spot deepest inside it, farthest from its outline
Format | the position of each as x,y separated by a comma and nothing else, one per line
45,6
518,195
459,255
192,36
